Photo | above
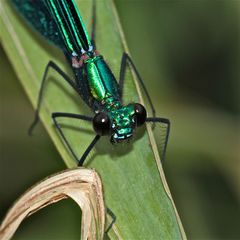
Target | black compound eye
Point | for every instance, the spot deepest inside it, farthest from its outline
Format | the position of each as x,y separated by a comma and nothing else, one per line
140,114
101,124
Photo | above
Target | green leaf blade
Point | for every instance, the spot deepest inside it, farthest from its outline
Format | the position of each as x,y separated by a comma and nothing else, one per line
133,179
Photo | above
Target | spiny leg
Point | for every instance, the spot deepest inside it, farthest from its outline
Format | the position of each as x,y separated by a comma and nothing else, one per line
113,216
126,59
75,116
40,96
94,20
166,122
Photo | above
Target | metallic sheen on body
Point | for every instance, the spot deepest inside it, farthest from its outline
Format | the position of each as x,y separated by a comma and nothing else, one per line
60,22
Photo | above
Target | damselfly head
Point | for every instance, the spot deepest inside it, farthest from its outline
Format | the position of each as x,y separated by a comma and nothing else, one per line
120,123
125,120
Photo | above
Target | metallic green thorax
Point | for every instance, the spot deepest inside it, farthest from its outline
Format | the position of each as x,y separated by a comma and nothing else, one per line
101,81
104,90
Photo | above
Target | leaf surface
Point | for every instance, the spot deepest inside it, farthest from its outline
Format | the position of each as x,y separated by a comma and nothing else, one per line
133,180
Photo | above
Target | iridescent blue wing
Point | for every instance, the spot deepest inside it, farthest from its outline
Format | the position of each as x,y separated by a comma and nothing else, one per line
39,17
58,21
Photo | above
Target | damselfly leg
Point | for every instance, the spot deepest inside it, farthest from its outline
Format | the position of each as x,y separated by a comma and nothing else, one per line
164,122
125,62
63,115
114,218
54,66
74,116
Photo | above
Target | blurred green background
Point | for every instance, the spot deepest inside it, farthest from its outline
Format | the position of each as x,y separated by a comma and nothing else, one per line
188,53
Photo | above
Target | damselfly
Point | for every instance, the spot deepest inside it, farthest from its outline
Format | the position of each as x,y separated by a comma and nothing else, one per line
60,22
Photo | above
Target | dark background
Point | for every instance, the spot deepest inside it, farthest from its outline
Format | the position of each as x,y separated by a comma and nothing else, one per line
188,55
